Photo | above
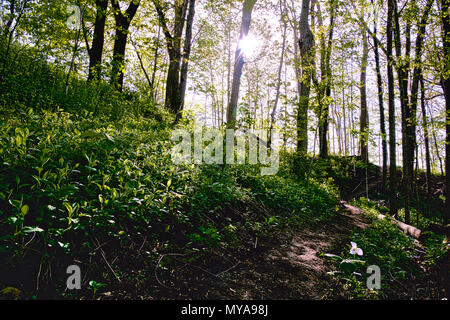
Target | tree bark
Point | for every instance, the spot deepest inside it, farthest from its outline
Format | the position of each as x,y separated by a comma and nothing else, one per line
239,63
324,87
96,51
381,106
187,52
402,72
305,44
280,69
417,74
123,21
426,138
393,202
155,66
445,7
178,60
364,117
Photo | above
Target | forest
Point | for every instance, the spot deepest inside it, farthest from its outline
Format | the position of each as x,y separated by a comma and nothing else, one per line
224,150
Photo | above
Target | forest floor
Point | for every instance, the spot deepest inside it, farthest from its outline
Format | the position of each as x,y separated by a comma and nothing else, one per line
293,267
288,266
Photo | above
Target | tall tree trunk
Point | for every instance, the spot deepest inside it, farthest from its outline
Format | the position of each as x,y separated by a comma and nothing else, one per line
364,117
445,7
417,74
178,60
239,64
123,21
155,66
324,87
16,13
381,106
402,72
305,44
426,137
96,51
280,69
393,202
187,52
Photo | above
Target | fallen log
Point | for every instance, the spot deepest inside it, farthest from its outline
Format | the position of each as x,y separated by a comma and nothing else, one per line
406,228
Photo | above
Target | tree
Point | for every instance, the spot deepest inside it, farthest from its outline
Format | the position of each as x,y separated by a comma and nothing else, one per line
445,13
239,63
178,60
280,69
306,44
381,107
403,66
96,51
393,202
187,51
17,9
426,137
364,118
123,21
324,86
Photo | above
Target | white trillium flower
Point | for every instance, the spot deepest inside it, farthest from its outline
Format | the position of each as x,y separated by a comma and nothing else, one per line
355,250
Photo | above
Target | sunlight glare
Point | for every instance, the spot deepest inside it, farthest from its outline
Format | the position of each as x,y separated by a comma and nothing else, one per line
249,45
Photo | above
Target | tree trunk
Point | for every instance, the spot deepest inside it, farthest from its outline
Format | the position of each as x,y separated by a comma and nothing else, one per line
178,61
123,21
402,72
305,44
155,67
280,69
417,74
187,52
96,51
239,64
381,106
324,87
426,138
446,86
393,203
364,118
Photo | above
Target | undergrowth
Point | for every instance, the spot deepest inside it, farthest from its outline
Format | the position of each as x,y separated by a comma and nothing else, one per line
86,178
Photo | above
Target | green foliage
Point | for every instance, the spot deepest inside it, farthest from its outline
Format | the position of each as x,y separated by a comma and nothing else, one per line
30,82
384,245
73,177
345,172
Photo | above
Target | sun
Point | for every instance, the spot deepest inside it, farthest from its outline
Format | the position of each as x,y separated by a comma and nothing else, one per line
249,45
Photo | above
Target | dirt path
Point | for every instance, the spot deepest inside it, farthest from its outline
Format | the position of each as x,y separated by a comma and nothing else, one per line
291,268
295,269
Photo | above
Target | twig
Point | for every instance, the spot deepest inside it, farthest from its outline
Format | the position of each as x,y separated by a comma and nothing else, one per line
229,269
143,243
157,265
106,261
34,235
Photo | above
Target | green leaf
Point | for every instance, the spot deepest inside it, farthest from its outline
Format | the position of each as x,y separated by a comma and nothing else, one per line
15,203
333,256
24,209
68,208
32,229
350,265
